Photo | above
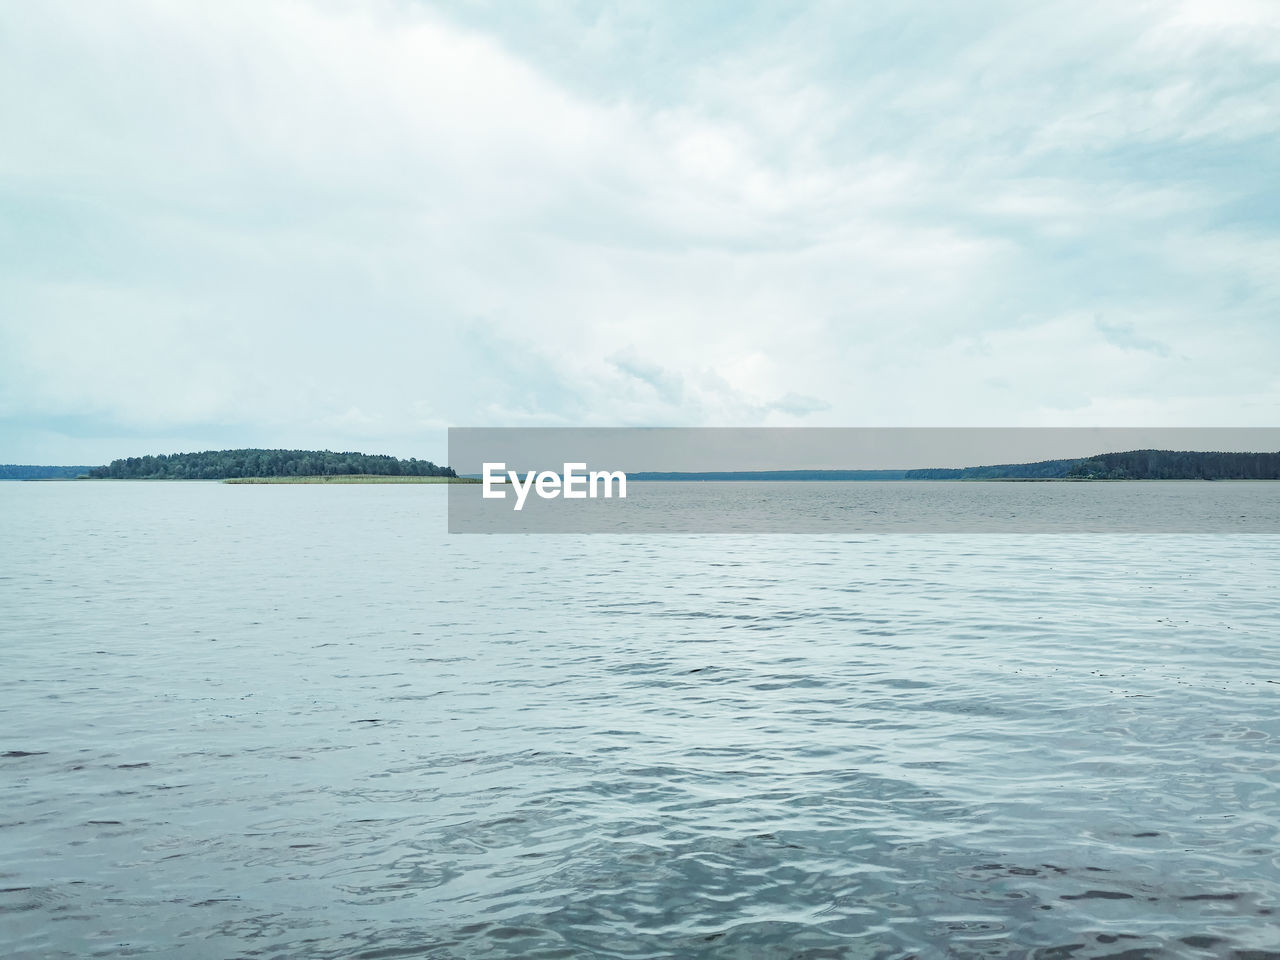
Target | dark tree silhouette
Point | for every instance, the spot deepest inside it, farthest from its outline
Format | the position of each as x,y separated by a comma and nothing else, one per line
222,464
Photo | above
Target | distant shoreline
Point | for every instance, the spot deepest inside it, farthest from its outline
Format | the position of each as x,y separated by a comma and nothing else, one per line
746,477
750,479
350,478
325,466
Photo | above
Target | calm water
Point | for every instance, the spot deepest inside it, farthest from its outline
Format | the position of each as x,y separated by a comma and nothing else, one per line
1161,506
303,722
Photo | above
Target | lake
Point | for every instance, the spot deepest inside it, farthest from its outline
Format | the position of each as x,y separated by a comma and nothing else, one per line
304,721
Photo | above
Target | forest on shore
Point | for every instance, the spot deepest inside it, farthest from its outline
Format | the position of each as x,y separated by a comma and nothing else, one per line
250,463
230,464
1130,465
31,471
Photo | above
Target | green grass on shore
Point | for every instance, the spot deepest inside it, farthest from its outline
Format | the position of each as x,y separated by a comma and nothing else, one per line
351,478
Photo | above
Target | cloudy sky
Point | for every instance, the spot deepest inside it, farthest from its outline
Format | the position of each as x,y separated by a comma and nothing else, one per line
350,225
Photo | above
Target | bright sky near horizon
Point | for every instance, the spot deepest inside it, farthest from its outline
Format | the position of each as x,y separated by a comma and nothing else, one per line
350,225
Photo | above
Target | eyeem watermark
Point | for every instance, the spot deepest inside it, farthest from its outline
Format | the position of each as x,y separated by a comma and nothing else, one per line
576,483
832,480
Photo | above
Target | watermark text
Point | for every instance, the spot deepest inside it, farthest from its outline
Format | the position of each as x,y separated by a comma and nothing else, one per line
575,483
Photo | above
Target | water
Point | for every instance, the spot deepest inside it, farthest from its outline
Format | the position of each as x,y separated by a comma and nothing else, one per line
859,508
303,722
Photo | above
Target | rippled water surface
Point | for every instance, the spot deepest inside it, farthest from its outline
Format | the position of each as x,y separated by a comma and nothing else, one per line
272,721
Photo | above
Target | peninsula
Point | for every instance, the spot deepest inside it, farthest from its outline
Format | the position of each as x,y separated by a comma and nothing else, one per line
1130,465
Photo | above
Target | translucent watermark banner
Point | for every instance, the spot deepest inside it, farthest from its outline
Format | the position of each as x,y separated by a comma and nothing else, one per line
865,480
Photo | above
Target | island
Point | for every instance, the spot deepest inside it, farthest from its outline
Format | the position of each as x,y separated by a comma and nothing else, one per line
276,466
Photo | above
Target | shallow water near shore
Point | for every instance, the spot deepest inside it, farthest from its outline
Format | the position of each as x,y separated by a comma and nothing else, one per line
302,721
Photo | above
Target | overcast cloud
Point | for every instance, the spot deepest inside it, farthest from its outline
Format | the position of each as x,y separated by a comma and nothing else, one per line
342,225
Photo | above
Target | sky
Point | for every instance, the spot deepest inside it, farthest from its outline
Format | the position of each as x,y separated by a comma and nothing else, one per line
328,224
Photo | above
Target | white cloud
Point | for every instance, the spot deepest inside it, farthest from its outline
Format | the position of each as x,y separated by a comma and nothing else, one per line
364,220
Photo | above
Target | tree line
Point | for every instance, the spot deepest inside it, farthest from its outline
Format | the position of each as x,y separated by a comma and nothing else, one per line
29,471
1178,465
1130,465
225,464
1040,470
